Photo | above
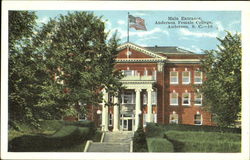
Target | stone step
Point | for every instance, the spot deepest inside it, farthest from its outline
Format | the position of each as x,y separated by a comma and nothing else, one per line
119,137
109,147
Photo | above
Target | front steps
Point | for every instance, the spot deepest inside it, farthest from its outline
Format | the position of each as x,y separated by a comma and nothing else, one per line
112,142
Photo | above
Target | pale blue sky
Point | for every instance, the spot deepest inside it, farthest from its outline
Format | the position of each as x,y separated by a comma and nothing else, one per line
193,39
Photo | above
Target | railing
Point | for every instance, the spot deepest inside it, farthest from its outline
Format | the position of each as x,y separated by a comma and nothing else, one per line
138,78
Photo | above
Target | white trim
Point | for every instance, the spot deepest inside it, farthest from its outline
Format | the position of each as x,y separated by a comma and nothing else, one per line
195,98
140,49
189,79
177,77
170,97
199,77
201,120
189,99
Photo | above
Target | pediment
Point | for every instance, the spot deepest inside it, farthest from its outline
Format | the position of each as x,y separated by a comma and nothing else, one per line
131,51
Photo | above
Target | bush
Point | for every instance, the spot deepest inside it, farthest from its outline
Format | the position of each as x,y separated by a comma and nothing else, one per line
185,127
154,130
51,125
139,141
159,145
190,141
66,136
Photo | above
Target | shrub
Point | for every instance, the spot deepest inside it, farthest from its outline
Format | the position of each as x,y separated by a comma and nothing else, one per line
139,141
185,127
159,145
154,130
66,136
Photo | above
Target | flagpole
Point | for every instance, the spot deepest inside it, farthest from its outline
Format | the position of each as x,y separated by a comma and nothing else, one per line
128,29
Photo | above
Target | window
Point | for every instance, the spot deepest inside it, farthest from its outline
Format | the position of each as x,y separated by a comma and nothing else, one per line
110,119
197,119
173,118
145,98
154,98
128,72
185,77
197,99
197,77
128,98
186,99
173,98
173,77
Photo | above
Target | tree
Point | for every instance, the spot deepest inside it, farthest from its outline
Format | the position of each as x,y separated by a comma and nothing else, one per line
80,61
24,67
222,87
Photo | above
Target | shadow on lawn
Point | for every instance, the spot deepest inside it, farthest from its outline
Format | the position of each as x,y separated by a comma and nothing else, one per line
178,146
65,137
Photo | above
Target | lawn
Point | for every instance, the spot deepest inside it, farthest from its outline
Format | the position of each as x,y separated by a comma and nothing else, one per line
53,136
159,145
188,138
197,141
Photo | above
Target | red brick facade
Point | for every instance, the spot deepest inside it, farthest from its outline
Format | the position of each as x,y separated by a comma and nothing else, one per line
160,64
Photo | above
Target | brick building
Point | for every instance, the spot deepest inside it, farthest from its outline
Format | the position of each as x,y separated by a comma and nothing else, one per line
167,75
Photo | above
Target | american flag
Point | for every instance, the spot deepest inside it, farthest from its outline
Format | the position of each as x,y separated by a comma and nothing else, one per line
137,23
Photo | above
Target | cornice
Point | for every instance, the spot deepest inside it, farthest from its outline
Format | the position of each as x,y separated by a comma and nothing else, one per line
140,49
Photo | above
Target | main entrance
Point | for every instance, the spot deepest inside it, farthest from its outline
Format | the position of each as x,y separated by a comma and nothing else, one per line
127,122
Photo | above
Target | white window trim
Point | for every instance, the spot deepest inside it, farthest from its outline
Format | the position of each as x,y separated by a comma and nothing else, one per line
170,121
155,101
133,98
199,77
171,98
189,80
195,101
177,77
189,99
201,121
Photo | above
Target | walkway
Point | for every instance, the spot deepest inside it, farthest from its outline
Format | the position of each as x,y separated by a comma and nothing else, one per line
112,142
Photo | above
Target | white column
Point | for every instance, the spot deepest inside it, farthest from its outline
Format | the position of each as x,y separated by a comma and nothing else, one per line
116,114
105,115
137,107
149,119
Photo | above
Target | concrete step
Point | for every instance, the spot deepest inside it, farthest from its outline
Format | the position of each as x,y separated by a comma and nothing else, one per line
109,147
118,137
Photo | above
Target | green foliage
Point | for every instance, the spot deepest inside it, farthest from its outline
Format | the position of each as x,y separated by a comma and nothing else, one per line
69,136
154,130
185,127
159,145
189,141
55,68
222,88
139,141
80,58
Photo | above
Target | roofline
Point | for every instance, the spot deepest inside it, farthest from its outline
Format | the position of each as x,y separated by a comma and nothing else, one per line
140,49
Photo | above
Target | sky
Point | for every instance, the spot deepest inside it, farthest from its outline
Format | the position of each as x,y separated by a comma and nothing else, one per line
191,30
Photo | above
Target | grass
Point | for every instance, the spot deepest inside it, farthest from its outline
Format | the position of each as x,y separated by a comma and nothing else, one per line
159,145
53,136
193,141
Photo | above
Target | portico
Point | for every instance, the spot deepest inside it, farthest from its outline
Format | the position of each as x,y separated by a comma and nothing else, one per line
127,111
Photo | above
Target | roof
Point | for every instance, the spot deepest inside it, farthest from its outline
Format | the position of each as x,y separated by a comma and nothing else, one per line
168,50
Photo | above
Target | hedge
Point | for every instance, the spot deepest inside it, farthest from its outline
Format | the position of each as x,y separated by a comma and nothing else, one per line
159,145
185,127
69,134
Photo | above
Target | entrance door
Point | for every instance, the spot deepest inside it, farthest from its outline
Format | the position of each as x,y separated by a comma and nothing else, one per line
126,123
